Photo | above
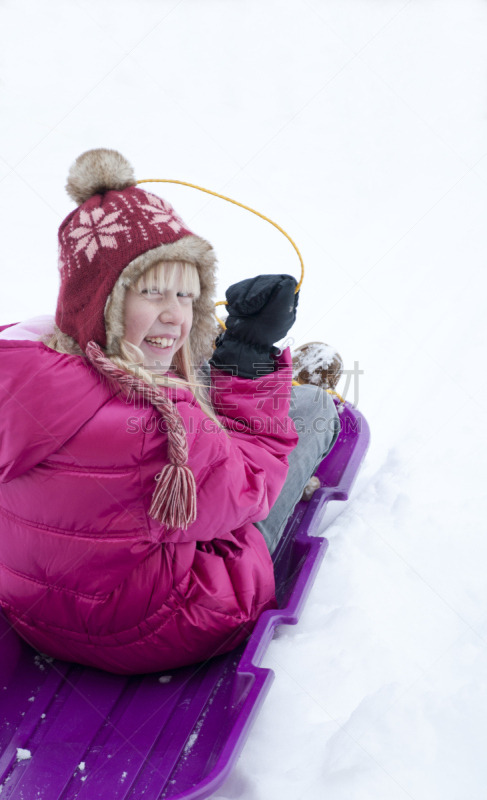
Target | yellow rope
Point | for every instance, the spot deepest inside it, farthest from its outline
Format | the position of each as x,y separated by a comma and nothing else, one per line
262,216
236,203
332,391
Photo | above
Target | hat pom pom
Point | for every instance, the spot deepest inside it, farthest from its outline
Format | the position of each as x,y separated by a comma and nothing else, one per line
98,171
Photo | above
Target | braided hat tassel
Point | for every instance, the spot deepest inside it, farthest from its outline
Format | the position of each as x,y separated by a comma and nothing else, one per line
174,499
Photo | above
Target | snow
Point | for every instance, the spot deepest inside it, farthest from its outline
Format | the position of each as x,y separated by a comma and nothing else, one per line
360,127
190,743
23,755
318,356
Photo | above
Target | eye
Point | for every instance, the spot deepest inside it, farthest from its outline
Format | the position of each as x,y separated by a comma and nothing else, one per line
186,294
150,292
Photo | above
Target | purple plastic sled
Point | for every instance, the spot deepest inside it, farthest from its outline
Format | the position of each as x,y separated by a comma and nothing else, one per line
90,734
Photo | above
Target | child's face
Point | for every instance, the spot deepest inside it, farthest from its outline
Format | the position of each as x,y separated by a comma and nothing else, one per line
152,314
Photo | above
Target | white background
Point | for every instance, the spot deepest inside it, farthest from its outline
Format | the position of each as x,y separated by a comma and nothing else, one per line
360,126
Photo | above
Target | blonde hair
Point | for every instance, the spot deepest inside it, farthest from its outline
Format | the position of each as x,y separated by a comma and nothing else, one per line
160,277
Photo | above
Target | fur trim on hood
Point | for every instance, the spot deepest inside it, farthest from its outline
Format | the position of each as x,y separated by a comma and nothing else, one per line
205,328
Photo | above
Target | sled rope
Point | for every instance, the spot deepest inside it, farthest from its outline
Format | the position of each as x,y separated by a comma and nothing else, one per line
332,391
258,214
241,205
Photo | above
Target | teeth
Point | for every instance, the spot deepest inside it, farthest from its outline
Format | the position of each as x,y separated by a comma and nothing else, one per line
160,342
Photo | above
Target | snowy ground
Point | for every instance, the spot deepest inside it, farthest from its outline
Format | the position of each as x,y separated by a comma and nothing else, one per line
360,126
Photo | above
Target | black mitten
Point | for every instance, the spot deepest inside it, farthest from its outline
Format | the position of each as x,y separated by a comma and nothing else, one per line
261,310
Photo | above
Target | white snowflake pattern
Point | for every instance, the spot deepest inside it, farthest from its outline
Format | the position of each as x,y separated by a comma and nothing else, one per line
96,230
163,212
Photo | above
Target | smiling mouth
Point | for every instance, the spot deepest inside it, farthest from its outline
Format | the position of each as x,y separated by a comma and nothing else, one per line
160,342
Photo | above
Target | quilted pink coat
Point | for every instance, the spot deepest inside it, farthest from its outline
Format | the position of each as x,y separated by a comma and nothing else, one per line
85,574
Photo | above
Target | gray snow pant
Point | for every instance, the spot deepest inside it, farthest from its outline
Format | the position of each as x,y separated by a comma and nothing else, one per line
315,417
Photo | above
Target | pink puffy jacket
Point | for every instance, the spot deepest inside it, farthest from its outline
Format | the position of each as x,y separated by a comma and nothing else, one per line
85,574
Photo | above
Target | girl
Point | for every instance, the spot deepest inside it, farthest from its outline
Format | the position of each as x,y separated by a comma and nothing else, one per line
136,479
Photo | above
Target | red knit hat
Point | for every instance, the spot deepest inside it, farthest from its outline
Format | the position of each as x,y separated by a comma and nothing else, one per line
118,233
114,224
